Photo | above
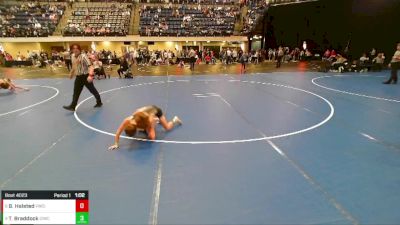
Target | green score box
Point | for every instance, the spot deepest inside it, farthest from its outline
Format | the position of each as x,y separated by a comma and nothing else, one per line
82,218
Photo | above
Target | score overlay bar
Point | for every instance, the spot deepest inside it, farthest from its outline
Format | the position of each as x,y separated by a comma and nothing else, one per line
45,207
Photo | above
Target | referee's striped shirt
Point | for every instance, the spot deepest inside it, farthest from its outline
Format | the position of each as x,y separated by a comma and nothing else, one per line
81,64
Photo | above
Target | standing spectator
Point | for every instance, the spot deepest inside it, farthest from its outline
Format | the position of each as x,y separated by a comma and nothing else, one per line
243,59
279,57
228,56
123,67
378,61
67,59
394,65
270,54
192,56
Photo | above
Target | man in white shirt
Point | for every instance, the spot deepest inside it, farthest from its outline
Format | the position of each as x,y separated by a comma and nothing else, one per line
228,56
394,65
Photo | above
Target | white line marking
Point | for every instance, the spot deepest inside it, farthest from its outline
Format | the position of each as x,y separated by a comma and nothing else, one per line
368,136
307,110
206,80
294,104
276,148
315,185
23,113
332,112
183,80
153,216
233,80
153,219
33,161
350,93
36,104
381,110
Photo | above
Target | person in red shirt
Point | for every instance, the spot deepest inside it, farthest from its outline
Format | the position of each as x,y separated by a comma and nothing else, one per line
208,59
9,57
333,54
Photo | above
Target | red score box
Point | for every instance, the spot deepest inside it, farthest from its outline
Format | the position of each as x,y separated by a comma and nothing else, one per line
82,205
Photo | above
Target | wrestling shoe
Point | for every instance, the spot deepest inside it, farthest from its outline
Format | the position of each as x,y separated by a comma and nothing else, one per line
176,120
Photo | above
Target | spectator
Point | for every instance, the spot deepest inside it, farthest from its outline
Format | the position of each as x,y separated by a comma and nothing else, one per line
280,55
378,62
339,63
123,67
41,19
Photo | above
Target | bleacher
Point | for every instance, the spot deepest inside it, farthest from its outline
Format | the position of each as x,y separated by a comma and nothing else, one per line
157,18
99,20
29,20
209,21
203,2
254,13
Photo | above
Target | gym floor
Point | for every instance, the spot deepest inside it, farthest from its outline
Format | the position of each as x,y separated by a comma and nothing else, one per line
261,148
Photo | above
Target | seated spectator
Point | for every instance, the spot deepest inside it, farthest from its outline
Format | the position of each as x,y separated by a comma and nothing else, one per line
99,21
327,54
355,67
187,20
364,62
29,20
339,64
364,58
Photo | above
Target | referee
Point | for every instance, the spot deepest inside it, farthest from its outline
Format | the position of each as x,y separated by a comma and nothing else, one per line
395,66
82,69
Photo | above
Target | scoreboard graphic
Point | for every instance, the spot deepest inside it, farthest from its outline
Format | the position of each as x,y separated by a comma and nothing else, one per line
44,207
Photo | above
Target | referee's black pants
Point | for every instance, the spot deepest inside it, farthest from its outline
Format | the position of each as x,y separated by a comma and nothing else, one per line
395,67
80,81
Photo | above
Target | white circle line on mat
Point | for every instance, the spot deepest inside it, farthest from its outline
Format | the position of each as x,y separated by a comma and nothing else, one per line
332,112
348,92
36,104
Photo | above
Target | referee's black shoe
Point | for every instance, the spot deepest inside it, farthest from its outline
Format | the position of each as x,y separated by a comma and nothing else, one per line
70,108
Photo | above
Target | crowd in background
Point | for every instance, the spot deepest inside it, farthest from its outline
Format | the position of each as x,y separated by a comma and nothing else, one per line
112,20
372,60
168,18
184,20
204,2
255,10
30,19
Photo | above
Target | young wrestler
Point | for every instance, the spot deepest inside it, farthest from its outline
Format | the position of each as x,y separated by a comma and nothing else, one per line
145,119
6,83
